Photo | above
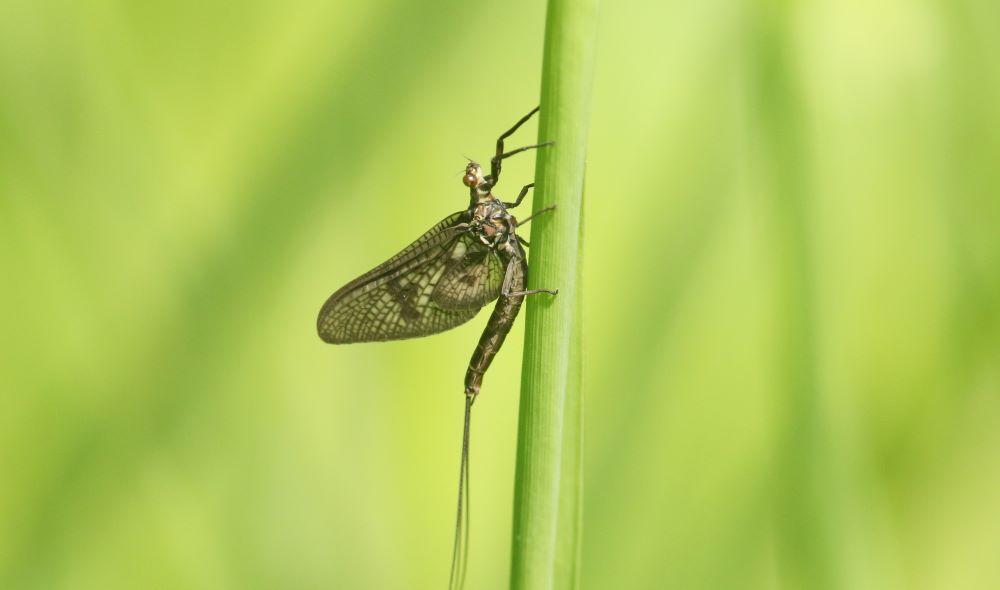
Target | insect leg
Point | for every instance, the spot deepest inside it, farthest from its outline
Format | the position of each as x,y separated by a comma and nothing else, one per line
495,162
513,280
523,241
520,196
511,131
532,292
533,215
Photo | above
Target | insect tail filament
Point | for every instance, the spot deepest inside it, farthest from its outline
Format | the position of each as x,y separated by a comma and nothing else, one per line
460,550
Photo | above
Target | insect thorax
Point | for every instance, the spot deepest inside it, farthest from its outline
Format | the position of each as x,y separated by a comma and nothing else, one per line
491,222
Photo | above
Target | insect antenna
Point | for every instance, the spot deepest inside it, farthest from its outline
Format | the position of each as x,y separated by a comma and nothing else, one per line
460,550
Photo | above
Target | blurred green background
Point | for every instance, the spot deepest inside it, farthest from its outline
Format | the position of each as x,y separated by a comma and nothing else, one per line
792,298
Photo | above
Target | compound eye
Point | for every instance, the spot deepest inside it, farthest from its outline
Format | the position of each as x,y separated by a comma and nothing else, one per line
469,180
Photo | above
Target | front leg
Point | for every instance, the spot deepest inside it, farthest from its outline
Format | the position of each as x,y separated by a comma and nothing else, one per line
500,157
495,162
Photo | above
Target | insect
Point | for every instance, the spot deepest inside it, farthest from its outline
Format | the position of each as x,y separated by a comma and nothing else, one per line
441,281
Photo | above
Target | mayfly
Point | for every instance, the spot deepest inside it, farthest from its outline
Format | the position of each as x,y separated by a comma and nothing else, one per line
441,281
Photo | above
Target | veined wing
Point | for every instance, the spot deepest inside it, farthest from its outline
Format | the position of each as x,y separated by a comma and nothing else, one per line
474,277
393,300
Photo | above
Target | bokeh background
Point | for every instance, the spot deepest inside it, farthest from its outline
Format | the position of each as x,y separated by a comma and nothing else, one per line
792,354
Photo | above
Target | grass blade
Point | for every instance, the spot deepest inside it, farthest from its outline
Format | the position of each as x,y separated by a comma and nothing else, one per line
548,482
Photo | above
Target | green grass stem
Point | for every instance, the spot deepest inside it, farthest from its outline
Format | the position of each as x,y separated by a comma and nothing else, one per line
548,482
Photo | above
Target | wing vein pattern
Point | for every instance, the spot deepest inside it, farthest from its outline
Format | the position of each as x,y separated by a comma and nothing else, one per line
436,283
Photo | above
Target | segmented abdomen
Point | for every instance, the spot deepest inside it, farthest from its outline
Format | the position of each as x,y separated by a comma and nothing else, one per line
497,327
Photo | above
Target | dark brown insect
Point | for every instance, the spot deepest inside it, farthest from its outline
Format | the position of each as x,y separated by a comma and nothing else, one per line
441,281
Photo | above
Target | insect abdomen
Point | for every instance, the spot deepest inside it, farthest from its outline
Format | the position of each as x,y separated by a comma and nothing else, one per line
496,330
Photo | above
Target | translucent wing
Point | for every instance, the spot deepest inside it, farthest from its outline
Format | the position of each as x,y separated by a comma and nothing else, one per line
393,300
473,279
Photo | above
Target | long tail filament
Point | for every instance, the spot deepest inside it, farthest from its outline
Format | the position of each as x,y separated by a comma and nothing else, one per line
460,550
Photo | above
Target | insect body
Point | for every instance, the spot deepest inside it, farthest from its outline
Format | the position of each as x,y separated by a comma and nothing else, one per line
441,281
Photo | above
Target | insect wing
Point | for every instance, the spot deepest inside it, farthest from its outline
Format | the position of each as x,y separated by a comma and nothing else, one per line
474,277
393,301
